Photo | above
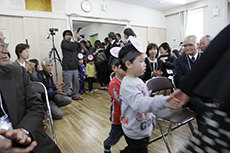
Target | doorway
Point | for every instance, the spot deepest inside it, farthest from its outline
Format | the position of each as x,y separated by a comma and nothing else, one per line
97,31
93,38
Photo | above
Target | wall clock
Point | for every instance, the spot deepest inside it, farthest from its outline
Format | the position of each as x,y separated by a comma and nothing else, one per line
86,6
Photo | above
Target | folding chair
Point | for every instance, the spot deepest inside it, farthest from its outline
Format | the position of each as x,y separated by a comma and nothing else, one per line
41,89
178,119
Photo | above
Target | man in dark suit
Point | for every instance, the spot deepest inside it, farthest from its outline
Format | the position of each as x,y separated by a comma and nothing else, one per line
183,66
184,63
210,77
21,111
113,43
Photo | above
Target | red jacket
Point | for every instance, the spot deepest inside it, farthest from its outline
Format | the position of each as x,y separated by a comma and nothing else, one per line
115,107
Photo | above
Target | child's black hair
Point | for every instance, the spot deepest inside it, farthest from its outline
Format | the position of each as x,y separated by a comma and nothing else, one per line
114,61
123,57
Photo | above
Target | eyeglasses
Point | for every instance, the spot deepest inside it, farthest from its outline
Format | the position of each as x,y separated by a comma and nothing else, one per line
188,45
4,46
2,38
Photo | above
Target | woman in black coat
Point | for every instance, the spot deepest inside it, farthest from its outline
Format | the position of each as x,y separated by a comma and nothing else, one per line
152,68
166,60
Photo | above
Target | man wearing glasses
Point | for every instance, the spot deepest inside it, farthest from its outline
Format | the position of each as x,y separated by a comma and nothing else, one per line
183,66
21,111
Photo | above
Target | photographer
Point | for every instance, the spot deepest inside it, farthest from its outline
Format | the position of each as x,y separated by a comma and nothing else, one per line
70,64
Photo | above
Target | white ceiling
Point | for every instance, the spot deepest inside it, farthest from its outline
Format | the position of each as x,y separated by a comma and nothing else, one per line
162,5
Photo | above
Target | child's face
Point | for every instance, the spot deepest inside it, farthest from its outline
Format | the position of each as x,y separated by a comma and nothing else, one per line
137,68
119,71
81,61
90,62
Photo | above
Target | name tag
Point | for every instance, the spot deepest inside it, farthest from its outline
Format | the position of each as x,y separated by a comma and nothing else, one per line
169,71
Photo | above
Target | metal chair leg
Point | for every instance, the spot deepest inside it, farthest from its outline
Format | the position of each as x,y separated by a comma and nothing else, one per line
164,138
52,127
170,128
191,128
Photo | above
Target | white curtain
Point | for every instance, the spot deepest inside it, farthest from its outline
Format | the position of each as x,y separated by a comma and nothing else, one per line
183,16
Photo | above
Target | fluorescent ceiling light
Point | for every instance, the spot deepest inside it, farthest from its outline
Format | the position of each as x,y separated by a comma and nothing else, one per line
178,1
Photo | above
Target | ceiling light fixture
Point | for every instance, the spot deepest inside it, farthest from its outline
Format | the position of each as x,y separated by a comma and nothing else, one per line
178,1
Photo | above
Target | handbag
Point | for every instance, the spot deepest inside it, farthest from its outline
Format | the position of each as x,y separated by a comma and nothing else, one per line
100,58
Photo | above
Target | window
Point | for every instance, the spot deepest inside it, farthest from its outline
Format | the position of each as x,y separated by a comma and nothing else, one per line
195,23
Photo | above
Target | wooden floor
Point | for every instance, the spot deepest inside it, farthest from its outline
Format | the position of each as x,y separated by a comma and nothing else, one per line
86,125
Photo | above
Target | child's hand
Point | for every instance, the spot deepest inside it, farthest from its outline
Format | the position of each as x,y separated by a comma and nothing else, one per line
179,95
174,104
95,77
84,77
79,79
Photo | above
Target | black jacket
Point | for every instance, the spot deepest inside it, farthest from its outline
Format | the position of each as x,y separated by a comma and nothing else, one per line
107,50
169,64
24,107
210,76
69,52
183,66
149,70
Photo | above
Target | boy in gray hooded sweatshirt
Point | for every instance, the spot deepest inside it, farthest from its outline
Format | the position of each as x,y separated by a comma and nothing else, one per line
136,105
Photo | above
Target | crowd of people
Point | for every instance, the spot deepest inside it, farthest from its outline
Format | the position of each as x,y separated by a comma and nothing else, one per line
132,109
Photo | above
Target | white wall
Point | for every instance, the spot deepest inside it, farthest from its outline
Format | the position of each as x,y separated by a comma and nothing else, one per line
34,25
173,35
212,24
117,10
101,29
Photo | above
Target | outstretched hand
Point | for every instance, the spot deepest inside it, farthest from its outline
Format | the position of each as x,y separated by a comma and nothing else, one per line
6,147
18,136
179,98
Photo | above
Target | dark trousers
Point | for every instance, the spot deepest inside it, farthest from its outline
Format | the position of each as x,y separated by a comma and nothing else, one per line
198,106
90,83
136,146
82,85
114,136
103,74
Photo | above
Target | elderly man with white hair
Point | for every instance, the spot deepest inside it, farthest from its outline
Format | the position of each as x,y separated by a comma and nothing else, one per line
183,66
204,42
57,98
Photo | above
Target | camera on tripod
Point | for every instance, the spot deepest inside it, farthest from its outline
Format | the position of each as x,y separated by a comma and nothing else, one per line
53,30
53,51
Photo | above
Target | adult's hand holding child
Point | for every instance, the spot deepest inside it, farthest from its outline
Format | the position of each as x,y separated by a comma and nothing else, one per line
177,99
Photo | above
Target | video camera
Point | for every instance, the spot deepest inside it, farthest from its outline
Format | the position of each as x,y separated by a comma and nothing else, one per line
53,30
